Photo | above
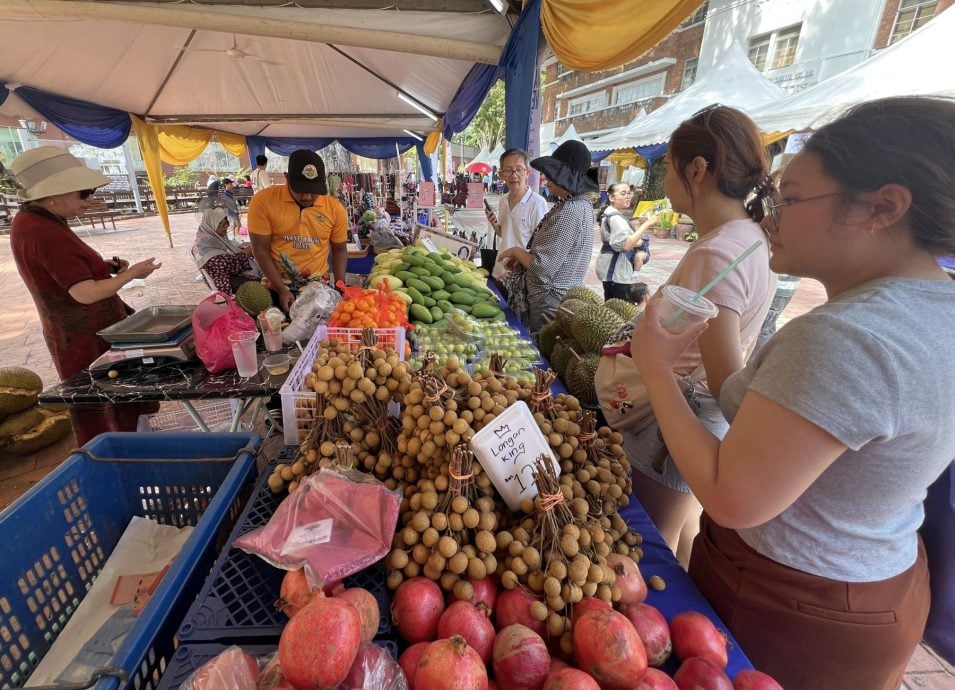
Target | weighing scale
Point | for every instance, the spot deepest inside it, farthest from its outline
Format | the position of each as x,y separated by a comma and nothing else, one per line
154,335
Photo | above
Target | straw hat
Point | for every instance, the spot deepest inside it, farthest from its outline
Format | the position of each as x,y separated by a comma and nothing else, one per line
49,170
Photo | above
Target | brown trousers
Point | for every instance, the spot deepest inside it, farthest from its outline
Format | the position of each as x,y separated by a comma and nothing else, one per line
810,632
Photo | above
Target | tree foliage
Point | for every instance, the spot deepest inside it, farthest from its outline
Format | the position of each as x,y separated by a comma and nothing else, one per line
487,127
182,176
653,182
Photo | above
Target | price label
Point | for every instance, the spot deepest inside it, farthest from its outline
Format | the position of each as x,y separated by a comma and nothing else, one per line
315,533
134,354
426,241
507,450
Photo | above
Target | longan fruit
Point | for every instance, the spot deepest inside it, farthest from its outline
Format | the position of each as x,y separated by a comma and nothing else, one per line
463,590
447,546
538,611
458,563
430,537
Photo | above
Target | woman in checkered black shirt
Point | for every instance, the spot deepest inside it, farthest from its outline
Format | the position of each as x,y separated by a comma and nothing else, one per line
559,252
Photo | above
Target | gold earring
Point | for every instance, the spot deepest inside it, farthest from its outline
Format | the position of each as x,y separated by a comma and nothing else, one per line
52,203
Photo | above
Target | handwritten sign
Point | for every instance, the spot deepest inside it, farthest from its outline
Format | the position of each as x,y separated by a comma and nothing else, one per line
507,449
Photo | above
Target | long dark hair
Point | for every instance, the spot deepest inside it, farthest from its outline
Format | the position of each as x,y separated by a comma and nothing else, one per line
907,140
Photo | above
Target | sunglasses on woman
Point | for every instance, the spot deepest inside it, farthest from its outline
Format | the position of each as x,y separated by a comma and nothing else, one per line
86,193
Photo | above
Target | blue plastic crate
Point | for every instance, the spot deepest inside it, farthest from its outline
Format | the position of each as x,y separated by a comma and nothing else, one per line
237,602
188,658
58,536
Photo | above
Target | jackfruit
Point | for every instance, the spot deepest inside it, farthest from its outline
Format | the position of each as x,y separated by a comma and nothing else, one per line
34,428
19,388
254,297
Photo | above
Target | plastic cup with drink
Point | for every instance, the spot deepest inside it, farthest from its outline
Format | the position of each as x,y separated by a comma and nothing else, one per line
271,331
243,349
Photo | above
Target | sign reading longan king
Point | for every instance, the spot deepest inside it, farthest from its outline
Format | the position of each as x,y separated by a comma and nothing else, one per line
507,449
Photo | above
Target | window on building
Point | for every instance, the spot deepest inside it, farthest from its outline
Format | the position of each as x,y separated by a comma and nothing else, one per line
912,14
697,16
639,90
10,145
587,104
759,51
689,72
784,53
561,70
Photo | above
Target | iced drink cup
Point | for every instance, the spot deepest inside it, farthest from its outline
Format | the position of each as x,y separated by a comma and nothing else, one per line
271,336
679,311
243,348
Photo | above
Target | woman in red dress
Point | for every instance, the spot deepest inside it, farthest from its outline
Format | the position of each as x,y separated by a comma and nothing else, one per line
73,287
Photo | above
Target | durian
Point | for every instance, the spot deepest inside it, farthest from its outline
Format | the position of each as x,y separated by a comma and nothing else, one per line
593,326
582,292
253,297
622,308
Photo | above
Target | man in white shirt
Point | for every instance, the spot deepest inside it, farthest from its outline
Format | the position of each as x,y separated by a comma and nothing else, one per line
519,212
260,178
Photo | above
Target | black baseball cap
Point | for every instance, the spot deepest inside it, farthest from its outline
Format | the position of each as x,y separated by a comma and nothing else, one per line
306,173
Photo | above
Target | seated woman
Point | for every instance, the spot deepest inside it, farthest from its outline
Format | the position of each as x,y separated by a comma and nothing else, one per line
226,263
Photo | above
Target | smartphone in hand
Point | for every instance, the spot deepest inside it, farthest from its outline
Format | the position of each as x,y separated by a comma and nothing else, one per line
487,206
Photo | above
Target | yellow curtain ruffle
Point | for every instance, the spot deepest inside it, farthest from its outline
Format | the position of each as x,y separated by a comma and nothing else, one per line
148,139
180,144
431,143
773,137
587,35
233,143
627,158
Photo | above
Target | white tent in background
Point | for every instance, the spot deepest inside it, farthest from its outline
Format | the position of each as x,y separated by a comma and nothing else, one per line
482,157
570,134
733,82
913,66
607,141
495,156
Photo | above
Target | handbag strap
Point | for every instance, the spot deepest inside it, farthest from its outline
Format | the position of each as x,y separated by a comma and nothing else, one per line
616,254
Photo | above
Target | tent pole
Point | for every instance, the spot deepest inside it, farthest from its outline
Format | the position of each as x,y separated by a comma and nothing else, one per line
208,19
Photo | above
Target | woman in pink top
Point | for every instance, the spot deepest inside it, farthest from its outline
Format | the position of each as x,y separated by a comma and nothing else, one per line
715,160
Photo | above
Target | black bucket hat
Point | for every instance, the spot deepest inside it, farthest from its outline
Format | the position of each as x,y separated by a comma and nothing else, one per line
568,167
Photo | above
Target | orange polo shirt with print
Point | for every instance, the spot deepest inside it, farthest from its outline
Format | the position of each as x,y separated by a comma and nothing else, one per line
302,234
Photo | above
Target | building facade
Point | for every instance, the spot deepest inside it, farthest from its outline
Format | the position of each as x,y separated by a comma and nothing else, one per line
795,44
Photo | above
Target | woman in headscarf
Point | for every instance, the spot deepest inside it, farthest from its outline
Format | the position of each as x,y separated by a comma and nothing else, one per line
226,263
73,287
558,254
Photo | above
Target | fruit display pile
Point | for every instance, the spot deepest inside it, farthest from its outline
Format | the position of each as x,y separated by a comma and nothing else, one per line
572,342
376,308
434,283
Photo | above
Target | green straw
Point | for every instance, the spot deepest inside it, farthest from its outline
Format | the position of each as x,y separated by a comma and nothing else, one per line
716,279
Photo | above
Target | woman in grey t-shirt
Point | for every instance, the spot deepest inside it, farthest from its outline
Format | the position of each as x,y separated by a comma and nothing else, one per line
809,547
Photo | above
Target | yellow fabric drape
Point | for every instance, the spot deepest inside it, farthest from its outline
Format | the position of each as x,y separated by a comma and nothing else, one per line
627,158
588,35
180,144
148,139
773,137
431,143
233,143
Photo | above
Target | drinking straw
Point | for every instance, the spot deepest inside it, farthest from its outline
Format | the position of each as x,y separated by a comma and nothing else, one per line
716,279
268,324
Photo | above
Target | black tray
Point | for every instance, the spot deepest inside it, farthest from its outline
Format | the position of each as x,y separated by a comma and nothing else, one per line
150,325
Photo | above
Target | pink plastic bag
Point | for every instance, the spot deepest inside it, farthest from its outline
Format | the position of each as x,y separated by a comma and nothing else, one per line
213,320
243,230
233,669
333,525
374,669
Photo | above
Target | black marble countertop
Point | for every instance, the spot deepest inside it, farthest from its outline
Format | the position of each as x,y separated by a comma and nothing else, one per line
139,382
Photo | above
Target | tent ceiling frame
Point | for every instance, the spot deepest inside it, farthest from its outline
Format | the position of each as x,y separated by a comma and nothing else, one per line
252,24
257,117
172,68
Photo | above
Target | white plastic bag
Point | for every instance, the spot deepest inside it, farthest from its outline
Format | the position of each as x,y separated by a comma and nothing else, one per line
311,308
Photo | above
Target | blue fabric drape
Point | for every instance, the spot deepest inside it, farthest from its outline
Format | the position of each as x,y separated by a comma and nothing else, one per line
651,153
519,61
4,92
284,146
427,173
597,156
468,99
87,122
377,147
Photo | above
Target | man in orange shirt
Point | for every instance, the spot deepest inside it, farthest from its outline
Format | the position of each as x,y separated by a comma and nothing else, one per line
300,220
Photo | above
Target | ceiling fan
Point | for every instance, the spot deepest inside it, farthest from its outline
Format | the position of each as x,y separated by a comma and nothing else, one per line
234,52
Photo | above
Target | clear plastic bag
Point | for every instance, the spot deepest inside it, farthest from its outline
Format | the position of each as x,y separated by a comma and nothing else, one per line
231,670
374,669
335,524
311,308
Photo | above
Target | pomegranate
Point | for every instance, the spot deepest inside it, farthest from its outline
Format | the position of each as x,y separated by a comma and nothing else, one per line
491,685
450,665
373,667
513,606
587,604
485,592
570,679
607,646
470,622
520,659
653,630
633,589
655,679
699,673
417,608
751,679
557,664
367,607
294,593
695,635
319,643
408,661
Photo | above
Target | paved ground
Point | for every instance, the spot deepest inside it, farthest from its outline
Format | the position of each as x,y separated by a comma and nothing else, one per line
21,342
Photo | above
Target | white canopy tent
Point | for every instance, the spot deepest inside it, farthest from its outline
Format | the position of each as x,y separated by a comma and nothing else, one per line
570,134
482,157
276,71
733,82
602,142
495,156
913,66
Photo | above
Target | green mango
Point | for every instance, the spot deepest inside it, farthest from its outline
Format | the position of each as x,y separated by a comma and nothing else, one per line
445,305
428,301
416,296
404,276
463,297
435,282
436,314
419,285
420,271
483,310
413,260
440,294
420,313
